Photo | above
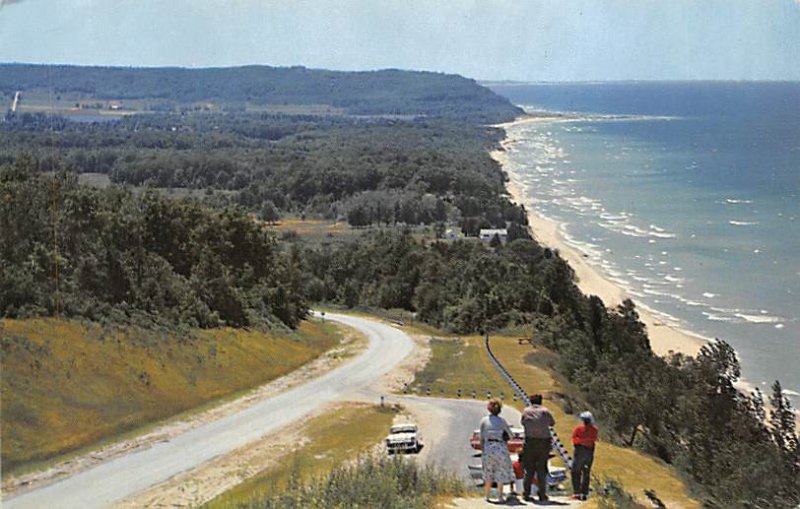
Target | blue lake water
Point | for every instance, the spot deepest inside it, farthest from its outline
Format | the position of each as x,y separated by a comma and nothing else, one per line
685,194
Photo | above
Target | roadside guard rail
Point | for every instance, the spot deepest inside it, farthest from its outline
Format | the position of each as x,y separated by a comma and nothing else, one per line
517,388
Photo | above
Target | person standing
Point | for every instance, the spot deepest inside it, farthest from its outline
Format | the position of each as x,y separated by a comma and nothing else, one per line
519,474
584,437
537,420
495,459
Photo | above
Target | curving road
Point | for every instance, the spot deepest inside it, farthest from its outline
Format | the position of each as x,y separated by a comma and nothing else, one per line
110,482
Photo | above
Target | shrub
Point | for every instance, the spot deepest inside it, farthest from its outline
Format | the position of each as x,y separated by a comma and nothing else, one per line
372,481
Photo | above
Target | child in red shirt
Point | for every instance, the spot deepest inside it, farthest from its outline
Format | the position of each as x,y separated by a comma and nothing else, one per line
519,473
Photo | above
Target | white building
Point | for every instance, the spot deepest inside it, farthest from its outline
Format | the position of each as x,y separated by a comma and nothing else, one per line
487,234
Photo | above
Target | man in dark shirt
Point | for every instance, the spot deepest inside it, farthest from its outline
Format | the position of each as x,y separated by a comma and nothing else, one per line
537,420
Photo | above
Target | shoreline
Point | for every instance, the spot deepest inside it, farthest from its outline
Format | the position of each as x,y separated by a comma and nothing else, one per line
664,338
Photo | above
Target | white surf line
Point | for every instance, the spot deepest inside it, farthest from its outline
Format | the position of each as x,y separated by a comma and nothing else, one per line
110,482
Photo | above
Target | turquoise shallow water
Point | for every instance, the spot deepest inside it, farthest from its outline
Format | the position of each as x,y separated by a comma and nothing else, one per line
688,196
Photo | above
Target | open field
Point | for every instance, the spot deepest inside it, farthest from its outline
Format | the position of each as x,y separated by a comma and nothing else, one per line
334,437
319,231
71,111
68,384
313,230
97,180
75,104
295,109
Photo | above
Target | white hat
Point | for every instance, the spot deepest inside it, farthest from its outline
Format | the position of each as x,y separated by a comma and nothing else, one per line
587,416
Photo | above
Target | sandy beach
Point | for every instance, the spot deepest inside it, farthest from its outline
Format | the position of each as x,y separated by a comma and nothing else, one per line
663,338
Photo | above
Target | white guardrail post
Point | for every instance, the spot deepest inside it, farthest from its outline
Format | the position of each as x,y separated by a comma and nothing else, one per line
557,445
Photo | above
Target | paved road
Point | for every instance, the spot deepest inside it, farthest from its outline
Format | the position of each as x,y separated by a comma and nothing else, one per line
110,482
447,425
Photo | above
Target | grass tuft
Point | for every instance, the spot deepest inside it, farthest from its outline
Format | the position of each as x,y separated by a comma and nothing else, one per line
371,481
611,494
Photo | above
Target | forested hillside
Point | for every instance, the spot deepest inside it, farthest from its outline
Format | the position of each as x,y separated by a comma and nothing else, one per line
109,255
386,92
457,286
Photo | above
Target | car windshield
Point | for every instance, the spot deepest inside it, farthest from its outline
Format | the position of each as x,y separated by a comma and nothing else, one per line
404,429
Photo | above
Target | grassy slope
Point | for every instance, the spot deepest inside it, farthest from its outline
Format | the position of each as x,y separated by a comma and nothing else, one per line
68,384
333,438
465,364
459,364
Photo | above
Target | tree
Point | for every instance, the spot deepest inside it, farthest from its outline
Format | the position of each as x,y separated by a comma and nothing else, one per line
517,231
358,216
269,212
439,229
784,433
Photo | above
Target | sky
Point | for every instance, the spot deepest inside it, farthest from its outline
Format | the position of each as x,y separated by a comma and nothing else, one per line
523,40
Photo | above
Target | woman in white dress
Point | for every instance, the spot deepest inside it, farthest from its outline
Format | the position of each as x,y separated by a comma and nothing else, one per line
497,467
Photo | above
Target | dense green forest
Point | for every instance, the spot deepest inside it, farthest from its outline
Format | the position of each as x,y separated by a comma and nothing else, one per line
458,286
366,171
386,92
130,252
109,255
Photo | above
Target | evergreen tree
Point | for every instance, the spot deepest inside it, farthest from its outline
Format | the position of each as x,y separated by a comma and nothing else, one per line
783,429
269,212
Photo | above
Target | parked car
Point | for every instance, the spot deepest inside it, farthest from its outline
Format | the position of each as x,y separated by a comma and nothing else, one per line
514,444
403,438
